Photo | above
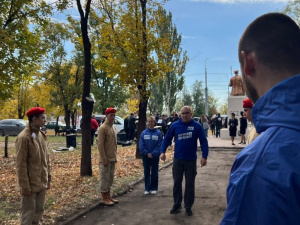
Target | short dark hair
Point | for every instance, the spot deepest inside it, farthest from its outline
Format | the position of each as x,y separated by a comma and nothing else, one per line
275,39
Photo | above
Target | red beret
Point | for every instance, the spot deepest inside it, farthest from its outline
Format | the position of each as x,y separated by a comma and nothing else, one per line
110,110
35,111
247,103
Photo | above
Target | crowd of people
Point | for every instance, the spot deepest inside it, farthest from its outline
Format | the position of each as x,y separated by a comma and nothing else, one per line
264,180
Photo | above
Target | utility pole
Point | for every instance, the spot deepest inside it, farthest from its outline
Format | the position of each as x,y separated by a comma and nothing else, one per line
206,91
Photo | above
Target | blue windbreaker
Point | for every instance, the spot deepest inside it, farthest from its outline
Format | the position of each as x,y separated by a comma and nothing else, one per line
264,184
150,142
186,136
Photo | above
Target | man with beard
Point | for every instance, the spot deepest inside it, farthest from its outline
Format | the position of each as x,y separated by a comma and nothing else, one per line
265,178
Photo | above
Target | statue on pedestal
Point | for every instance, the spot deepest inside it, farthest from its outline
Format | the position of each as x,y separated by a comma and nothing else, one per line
236,84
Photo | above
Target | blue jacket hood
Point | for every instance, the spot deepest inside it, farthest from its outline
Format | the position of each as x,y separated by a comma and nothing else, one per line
274,109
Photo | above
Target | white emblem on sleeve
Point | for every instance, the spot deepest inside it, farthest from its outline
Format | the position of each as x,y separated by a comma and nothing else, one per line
155,137
146,137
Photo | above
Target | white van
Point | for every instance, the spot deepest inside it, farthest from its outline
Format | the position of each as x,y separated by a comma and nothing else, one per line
118,123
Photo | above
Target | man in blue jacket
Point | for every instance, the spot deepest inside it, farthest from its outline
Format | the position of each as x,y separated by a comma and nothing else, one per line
265,178
186,132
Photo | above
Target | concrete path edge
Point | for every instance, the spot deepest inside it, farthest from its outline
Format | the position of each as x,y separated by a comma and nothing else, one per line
125,190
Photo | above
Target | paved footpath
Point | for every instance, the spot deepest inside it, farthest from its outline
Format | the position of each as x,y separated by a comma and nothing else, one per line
135,208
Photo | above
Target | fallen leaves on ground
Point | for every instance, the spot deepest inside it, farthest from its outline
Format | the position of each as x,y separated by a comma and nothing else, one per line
69,192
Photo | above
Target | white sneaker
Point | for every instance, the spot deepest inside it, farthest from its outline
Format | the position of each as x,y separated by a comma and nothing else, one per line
146,193
153,192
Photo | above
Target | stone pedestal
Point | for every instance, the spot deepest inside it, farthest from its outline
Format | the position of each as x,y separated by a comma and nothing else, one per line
235,105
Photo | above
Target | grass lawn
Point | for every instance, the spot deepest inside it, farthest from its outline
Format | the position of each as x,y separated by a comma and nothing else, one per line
69,192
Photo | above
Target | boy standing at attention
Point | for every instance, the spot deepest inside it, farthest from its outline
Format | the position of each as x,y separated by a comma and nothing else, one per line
33,167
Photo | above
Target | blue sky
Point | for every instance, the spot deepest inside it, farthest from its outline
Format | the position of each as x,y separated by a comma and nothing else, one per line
211,30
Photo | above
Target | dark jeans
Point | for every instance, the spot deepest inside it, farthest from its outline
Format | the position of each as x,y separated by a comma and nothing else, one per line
92,136
189,169
218,131
213,131
151,180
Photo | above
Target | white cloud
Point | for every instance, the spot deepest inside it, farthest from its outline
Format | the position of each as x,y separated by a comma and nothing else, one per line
240,1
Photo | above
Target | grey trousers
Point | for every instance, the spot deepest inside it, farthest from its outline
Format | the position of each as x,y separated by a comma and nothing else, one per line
188,168
32,208
107,174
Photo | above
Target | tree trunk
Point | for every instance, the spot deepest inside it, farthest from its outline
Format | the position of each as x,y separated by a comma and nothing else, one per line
73,118
168,99
67,115
87,103
142,119
86,160
144,95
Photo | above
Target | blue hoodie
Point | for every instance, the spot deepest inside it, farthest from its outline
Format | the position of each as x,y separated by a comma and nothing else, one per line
150,142
264,184
186,136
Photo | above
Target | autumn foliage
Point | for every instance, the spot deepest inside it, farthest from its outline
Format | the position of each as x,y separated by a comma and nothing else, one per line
69,192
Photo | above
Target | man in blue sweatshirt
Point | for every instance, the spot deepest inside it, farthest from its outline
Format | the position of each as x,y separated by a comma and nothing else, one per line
186,132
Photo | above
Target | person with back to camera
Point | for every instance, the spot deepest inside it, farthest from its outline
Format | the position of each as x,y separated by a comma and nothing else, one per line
264,181
132,126
94,127
233,123
213,126
204,123
243,127
33,167
186,132
218,125
149,145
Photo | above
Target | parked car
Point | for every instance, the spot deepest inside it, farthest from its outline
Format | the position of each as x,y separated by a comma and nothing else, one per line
11,127
62,128
118,123
196,118
52,125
